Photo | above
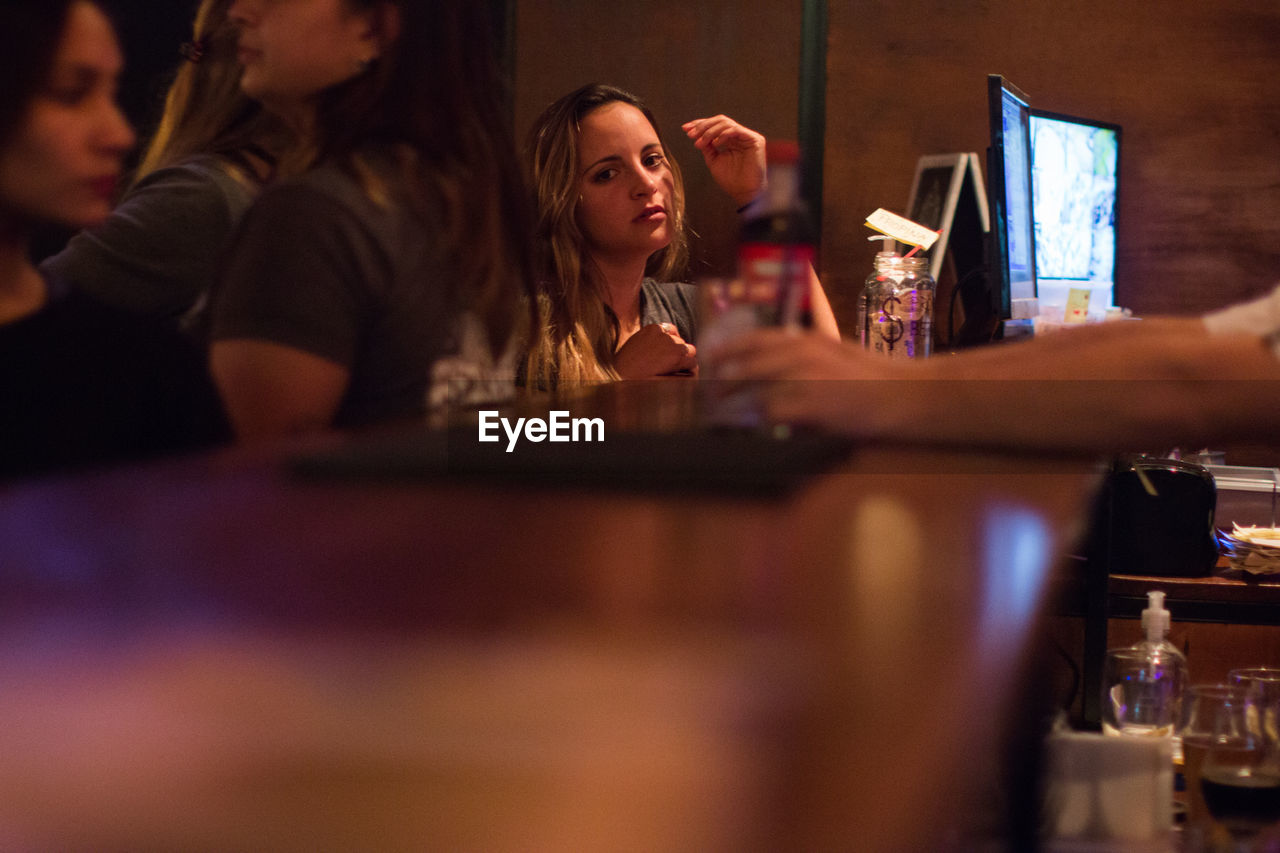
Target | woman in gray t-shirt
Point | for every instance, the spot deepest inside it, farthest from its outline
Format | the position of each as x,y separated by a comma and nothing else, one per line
611,222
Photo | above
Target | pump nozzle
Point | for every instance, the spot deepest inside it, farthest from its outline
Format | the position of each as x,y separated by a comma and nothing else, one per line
1155,619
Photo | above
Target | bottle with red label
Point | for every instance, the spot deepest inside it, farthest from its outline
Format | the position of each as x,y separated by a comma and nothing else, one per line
776,247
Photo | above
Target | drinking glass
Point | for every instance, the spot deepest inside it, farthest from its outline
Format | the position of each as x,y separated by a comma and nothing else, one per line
1139,696
1241,787
1216,738
1262,684
723,314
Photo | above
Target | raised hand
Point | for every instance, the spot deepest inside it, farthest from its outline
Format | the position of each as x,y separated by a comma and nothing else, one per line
734,154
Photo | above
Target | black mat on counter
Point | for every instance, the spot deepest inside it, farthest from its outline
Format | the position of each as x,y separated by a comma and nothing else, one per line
728,461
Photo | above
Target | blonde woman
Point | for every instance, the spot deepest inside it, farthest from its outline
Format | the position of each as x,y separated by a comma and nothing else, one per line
613,239
214,149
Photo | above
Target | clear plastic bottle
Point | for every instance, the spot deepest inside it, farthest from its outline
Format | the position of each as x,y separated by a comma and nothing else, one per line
1153,704
895,313
1155,624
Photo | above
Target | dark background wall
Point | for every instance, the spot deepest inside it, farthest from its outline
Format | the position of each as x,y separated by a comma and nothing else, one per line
150,33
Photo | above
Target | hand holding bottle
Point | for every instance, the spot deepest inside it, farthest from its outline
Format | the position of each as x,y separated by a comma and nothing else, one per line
734,154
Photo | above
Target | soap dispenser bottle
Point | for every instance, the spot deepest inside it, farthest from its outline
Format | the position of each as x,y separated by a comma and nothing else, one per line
1163,656
1143,684
1155,624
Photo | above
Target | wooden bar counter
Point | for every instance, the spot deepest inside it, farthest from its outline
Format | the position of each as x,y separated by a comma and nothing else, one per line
215,653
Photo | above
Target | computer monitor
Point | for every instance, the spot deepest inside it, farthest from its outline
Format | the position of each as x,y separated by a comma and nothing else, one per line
1013,252
1075,186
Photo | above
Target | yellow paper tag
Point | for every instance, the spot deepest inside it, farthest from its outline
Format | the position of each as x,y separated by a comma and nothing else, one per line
1077,310
902,229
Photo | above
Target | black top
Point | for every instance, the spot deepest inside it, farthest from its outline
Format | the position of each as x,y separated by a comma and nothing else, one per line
82,383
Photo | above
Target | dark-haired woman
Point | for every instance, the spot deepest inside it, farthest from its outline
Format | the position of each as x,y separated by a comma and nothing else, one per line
79,382
394,267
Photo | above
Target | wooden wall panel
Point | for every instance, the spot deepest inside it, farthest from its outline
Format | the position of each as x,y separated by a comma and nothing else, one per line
1192,84
686,60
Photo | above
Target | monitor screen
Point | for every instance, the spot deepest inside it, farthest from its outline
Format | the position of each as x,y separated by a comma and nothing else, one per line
1075,182
1013,254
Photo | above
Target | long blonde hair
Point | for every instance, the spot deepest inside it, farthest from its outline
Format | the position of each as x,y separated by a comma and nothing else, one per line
205,112
579,332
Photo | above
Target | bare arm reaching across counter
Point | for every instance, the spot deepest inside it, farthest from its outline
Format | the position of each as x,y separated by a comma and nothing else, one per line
1153,383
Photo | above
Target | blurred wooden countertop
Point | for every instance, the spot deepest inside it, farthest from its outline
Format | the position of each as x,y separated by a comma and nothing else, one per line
212,653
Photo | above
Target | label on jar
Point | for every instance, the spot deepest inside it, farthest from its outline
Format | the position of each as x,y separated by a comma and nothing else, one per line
902,229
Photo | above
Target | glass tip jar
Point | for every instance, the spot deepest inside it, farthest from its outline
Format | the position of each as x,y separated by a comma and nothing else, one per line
895,311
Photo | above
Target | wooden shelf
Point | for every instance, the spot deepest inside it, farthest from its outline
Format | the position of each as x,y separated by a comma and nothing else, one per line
1233,598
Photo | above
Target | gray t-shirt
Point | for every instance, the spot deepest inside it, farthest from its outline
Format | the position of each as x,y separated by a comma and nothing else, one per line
320,266
159,251
670,302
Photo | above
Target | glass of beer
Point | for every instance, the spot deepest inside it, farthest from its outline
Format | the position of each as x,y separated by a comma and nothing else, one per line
1240,779
1216,741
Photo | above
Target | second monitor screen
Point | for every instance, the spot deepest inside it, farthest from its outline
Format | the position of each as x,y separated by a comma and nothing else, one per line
1076,178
